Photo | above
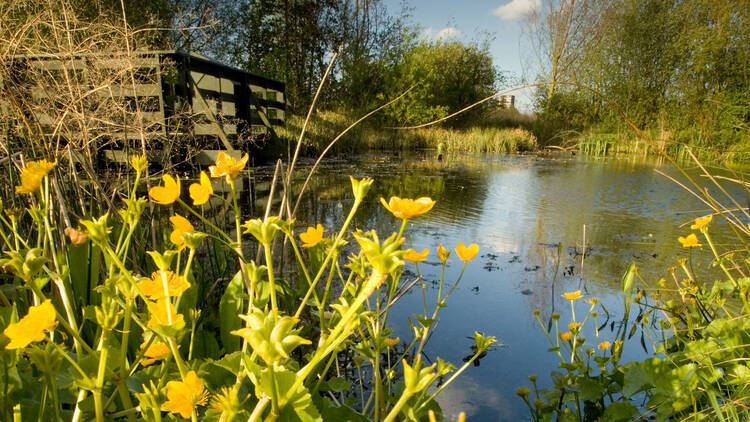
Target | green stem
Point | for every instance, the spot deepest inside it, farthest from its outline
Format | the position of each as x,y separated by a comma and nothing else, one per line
99,409
259,408
271,281
329,256
204,220
397,407
403,226
124,369
274,392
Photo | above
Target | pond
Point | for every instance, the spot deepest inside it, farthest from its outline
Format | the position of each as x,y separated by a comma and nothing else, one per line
518,208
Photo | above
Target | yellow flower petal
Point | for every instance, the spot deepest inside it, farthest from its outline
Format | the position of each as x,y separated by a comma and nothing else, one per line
33,174
159,314
690,241
154,287
156,351
604,345
573,295
573,326
408,208
312,236
390,342
31,328
442,253
201,192
181,226
183,396
466,254
567,336
168,193
413,256
702,222
228,166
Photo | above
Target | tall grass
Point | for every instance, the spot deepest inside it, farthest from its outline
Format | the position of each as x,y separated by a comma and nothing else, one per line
325,125
598,142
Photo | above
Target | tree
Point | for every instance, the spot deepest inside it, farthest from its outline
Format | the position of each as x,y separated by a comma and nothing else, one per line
560,32
447,76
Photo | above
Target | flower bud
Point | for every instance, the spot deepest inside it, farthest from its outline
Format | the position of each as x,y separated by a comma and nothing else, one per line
523,392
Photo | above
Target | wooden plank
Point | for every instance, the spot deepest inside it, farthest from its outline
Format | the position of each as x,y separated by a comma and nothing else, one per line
123,156
207,157
210,115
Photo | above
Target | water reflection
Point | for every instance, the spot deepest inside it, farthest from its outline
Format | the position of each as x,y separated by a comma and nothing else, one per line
527,213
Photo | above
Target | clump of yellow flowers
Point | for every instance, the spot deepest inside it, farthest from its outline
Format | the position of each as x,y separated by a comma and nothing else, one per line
118,331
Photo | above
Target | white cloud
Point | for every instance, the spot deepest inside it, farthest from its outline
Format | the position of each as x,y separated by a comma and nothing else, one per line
442,35
516,9
448,33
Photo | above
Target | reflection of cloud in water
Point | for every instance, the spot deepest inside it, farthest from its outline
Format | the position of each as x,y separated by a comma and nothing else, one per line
480,402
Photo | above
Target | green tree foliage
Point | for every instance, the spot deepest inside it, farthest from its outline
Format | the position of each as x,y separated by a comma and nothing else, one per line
672,64
380,56
447,76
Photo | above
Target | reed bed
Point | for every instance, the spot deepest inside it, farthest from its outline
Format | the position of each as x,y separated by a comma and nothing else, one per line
482,139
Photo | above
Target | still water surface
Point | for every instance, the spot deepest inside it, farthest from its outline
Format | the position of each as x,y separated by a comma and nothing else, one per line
518,208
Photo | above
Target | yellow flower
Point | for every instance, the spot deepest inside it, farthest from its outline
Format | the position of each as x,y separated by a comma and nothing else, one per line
139,162
604,345
467,254
408,208
702,222
413,256
592,301
31,328
442,253
156,351
33,174
312,236
228,166
168,193
159,315
573,295
690,241
201,192
181,226
567,336
390,342
573,326
183,396
154,287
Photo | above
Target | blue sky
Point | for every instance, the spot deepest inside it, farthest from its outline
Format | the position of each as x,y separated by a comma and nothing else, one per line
467,20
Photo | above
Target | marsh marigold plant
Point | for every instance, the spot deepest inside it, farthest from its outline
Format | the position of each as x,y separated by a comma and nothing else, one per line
121,320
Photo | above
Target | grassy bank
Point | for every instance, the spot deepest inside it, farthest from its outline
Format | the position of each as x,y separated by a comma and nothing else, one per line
325,126
728,148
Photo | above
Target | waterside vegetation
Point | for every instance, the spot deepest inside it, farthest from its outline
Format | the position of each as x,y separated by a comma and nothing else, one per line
110,337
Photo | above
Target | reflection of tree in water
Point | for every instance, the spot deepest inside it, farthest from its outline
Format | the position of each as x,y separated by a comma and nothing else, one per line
453,185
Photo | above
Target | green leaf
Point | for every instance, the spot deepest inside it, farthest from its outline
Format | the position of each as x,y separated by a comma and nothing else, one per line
329,412
189,299
205,345
619,411
230,362
591,388
636,379
627,279
84,261
424,321
338,384
300,406
229,307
